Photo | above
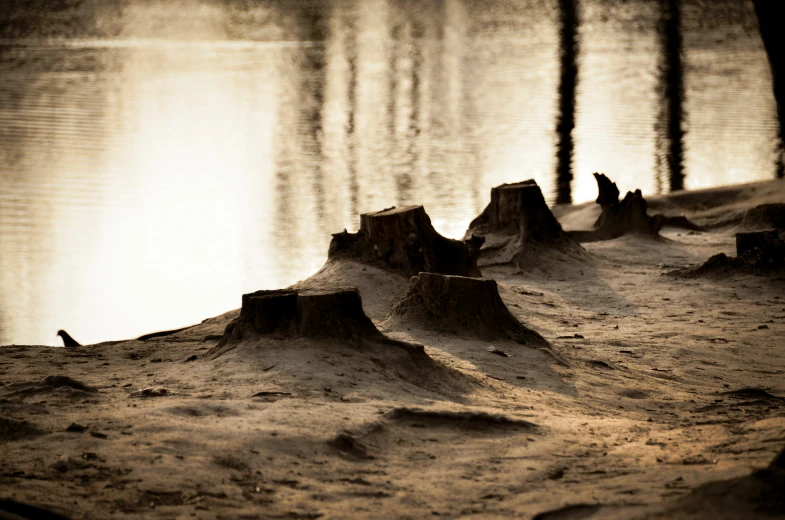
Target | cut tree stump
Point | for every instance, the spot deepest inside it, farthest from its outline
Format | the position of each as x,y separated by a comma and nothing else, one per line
404,239
312,314
518,208
469,306
767,240
321,315
758,252
516,224
619,218
626,216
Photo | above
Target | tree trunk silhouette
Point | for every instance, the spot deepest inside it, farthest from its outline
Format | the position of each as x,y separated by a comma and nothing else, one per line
673,91
770,21
568,82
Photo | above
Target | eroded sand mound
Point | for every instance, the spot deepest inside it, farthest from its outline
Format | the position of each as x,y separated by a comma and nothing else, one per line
397,428
764,216
760,494
378,286
12,429
323,329
519,229
469,306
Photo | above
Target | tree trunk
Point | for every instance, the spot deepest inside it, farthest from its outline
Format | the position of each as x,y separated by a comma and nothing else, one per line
619,218
767,241
770,21
333,323
568,82
673,79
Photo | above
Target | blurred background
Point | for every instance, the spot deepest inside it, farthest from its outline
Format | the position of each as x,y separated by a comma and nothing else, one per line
159,158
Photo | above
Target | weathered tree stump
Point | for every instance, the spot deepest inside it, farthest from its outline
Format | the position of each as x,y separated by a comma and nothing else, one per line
517,222
767,240
323,324
334,314
758,252
619,218
765,216
404,239
626,216
467,305
319,315
519,208
761,249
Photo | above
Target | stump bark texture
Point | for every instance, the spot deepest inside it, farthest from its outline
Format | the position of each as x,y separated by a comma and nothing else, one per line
334,314
621,217
465,305
518,208
318,315
404,239
761,249
516,221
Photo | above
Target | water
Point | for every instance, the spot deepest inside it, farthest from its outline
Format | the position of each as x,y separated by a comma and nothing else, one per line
158,159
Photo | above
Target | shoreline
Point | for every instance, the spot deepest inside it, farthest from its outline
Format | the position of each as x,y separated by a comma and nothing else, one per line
656,397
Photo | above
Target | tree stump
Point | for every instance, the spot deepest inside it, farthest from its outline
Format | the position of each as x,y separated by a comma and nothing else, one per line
761,249
467,305
767,240
404,239
312,314
619,218
515,223
520,208
319,315
626,216
758,252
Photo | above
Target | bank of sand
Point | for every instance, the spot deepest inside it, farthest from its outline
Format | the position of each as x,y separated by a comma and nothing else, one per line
659,393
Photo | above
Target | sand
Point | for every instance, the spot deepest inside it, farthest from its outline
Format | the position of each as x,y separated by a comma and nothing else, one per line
659,396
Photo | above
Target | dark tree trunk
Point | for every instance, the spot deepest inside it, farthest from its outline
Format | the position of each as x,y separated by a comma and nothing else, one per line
334,323
770,20
320,315
465,305
568,82
673,76
405,240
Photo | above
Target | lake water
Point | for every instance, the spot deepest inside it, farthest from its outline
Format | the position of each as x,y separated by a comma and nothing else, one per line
160,158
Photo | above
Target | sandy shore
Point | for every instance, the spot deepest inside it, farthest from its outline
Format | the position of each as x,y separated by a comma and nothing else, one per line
655,387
